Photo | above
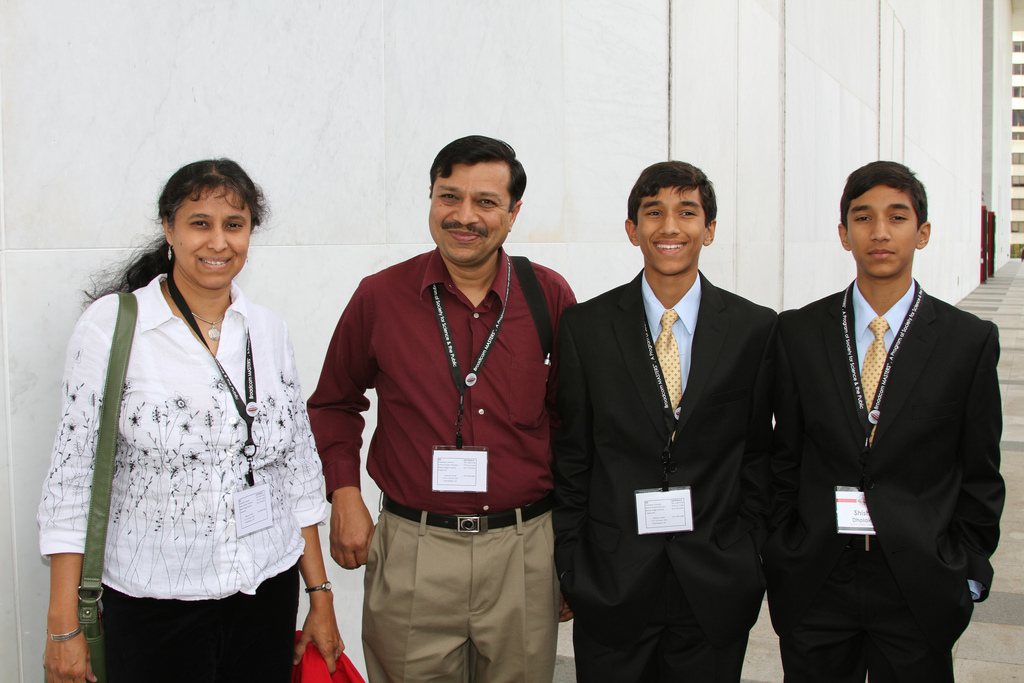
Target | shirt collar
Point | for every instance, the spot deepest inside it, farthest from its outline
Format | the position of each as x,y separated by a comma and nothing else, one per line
863,314
686,308
154,310
437,273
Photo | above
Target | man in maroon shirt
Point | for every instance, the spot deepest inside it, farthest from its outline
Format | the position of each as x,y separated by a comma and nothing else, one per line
462,449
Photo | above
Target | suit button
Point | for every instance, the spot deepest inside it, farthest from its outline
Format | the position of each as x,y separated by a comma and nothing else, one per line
668,539
871,484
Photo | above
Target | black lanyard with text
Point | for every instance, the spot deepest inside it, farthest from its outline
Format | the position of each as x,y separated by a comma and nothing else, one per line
246,409
453,360
870,415
668,465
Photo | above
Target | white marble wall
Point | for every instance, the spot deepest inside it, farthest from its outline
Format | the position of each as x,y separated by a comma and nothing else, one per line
337,110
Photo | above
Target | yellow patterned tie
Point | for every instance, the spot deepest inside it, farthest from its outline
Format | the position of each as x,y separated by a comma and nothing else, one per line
874,359
668,357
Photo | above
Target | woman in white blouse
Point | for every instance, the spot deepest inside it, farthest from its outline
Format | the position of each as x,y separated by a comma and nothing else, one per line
192,592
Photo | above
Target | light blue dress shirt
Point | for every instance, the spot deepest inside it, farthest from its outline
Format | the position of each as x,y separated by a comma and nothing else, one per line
863,314
686,308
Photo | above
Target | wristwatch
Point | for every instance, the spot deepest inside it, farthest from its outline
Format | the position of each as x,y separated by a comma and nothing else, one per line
325,586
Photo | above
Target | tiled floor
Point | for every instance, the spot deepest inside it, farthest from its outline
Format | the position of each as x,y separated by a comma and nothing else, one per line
992,648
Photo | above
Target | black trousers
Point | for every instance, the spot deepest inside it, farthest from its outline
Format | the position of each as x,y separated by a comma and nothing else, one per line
238,638
671,648
860,624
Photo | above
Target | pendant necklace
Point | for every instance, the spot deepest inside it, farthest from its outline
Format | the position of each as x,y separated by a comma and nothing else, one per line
214,332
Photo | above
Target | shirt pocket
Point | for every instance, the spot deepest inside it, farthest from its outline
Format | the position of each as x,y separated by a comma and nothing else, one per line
527,393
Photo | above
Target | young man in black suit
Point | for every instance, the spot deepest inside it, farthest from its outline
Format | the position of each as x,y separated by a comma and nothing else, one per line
886,468
661,463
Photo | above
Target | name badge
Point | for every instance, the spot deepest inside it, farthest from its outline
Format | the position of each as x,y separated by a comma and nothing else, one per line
852,516
252,510
663,512
459,470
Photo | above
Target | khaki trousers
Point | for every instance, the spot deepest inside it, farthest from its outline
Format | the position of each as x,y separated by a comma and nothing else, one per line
440,605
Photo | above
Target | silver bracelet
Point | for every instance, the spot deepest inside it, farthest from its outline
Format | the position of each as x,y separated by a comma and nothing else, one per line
65,636
325,586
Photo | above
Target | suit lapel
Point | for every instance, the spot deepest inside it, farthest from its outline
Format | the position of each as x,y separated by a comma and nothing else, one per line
708,336
835,349
629,333
908,365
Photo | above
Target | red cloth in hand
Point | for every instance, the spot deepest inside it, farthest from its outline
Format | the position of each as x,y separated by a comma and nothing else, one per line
313,669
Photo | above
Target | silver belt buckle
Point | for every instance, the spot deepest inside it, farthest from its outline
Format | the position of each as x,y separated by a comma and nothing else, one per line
470,524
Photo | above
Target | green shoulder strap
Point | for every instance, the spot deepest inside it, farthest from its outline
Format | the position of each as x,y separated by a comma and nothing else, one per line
103,469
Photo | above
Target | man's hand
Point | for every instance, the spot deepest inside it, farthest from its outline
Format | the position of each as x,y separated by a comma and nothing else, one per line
351,527
564,610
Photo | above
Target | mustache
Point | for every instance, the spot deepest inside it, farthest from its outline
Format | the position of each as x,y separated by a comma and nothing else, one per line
455,225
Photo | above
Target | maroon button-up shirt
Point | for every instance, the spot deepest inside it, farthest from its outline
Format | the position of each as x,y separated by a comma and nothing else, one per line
388,339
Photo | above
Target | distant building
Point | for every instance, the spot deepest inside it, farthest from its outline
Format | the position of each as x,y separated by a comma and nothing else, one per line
1017,177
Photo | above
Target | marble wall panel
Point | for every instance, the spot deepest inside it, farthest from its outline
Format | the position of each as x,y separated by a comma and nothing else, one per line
553,255
759,246
8,547
309,288
841,38
798,287
396,253
800,178
946,150
616,109
112,98
813,130
457,68
594,268
775,8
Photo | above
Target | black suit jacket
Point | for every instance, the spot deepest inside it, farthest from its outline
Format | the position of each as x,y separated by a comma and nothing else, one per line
610,444
932,478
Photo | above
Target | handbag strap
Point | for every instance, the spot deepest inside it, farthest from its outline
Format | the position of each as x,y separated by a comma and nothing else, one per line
91,588
536,301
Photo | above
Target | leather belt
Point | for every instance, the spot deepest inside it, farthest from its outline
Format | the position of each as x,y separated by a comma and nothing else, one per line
471,524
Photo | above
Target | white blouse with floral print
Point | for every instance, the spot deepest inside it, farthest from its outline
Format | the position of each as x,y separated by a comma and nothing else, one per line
179,458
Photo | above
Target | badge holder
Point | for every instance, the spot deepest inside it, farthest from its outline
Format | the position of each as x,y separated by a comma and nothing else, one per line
459,470
852,516
664,512
253,511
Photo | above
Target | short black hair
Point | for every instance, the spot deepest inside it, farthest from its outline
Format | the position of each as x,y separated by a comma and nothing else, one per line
888,173
475,149
678,174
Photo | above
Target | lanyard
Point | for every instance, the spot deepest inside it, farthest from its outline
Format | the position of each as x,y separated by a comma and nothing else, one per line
668,465
453,359
870,417
246,409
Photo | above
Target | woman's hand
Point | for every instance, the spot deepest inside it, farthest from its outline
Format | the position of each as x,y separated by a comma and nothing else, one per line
65,661
321,627
68,661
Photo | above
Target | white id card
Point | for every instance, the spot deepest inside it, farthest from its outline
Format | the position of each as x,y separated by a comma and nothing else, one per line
852,516
459,470
664,512
252,510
